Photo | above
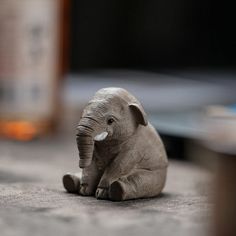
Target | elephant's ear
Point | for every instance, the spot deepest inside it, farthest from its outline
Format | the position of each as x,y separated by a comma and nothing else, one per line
139,113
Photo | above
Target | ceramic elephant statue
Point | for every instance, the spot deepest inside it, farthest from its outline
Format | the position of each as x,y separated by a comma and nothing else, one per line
121,155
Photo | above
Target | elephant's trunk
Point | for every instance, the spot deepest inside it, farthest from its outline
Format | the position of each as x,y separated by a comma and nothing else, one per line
86,131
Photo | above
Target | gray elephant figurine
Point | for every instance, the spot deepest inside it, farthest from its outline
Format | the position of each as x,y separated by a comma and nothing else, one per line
121,155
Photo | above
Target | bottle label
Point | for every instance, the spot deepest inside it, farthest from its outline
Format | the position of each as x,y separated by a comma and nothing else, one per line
28,58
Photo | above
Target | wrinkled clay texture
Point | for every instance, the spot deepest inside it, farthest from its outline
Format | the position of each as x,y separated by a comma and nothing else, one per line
121,155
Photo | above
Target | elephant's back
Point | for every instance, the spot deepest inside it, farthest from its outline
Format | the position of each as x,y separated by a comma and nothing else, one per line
153,150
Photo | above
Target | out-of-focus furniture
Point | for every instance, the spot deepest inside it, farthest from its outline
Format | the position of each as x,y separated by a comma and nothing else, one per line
221,138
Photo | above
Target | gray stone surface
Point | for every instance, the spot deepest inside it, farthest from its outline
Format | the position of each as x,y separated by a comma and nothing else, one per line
33,201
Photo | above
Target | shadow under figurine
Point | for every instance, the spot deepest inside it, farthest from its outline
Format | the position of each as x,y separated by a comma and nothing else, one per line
121,155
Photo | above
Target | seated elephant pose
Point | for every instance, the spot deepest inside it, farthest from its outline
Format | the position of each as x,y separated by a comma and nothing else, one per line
121,155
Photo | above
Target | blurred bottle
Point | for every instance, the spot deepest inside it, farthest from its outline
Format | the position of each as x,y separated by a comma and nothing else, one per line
32,46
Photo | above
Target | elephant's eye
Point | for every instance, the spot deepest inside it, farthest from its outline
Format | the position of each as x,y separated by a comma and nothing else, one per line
110,121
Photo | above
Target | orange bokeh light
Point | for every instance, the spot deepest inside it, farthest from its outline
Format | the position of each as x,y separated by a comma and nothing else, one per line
18,130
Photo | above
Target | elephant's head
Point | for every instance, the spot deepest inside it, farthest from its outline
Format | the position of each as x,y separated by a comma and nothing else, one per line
112,115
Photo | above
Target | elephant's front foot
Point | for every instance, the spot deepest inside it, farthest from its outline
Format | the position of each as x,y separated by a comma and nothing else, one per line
86,190
101,193
114,192
71,183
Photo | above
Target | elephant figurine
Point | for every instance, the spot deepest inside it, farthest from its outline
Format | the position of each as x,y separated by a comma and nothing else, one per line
121,155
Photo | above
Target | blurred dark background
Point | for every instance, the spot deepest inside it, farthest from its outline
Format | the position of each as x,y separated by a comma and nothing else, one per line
151,34
176,57
171,37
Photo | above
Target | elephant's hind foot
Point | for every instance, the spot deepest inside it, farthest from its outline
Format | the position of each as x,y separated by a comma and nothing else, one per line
140,184
71,183
117,191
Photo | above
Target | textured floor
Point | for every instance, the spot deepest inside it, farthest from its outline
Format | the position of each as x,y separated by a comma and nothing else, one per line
33,201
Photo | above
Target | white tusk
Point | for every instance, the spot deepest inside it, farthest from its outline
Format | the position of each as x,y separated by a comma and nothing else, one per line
101,136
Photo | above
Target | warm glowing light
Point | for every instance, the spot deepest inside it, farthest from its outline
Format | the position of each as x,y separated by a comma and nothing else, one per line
18,130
